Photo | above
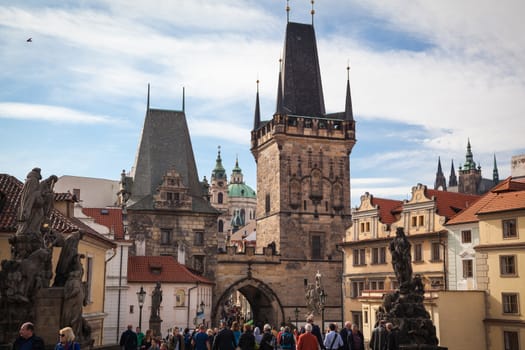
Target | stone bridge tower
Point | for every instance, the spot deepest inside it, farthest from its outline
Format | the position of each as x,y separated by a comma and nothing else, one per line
303,193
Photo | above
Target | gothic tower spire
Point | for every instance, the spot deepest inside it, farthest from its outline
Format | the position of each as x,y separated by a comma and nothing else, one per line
441,182
495,175
349,114
257,115
452,180
279,105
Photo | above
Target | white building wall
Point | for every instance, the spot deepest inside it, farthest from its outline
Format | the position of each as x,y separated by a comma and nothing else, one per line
457,252
94,192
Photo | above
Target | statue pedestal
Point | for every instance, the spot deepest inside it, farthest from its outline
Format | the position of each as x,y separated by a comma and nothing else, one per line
155,325
47,311
421,347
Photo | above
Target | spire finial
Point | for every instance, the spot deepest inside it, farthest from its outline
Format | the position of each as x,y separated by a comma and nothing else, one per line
287,11
348,70
219,150
183,98
313,11
257,81
147,105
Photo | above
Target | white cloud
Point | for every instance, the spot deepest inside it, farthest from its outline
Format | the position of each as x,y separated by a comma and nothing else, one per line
24,111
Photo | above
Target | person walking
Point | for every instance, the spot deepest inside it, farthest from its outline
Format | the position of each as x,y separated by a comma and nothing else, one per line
356,340
67,340
345,334
140,337
315,331
378,339
391,337
332,340
307,341
224,340
201,340
247,339
287,340
175,340
27,340
268,340
128,339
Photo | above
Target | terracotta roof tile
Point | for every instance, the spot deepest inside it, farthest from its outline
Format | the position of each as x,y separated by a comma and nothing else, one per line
387,209
450,203
160,268
109,217
507,195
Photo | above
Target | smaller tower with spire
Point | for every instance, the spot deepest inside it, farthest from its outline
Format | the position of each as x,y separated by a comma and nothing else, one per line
441,182
495,175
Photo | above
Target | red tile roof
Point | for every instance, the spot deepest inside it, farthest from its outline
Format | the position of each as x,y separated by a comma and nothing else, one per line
160,268
11,188
387,209
450,203
109,217
65,196
507,195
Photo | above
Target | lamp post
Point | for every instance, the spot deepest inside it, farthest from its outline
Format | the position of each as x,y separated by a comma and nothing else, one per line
141,296
322,302
296,312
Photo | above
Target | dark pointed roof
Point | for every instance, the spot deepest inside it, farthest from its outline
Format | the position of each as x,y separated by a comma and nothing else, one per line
279,104
440,178
349,114
301,76
495,174
257,114
469,159
165,145
218,172
452,180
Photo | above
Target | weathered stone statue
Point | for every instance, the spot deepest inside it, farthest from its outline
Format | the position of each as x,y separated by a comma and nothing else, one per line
25,278
156,299
404,308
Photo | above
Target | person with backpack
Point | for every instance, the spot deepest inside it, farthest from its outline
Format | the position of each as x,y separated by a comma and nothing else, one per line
247,339
287,340
268,340
333,340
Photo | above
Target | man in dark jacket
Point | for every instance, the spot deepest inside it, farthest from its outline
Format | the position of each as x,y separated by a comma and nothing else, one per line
224,340
347,329
128,339
27,339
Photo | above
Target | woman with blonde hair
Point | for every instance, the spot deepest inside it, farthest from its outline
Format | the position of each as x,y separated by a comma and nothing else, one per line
67,340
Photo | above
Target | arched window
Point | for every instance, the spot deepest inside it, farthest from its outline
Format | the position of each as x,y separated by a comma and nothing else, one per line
221,226
220,198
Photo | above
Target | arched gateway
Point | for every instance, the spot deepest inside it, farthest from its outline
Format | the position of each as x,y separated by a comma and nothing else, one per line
265,304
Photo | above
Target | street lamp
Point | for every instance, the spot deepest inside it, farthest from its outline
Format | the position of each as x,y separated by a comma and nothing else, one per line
141,296
296,312
322,302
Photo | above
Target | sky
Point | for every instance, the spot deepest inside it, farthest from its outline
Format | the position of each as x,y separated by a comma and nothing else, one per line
426,77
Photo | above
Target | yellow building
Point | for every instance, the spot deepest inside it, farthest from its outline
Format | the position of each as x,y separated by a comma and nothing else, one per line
368,264
93,246
502,251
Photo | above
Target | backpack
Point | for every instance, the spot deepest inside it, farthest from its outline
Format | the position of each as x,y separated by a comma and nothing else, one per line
286,340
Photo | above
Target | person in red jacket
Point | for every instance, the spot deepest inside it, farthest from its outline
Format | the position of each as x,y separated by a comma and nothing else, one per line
307,341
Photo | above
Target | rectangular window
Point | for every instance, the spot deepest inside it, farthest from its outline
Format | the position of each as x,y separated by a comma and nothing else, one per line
509,228
199,238
131,309
165,236
436,283
362,227
468,268
357,288
376,285
89,279
507,265
418,252
436,252
267,203
169,196
382,255
421,220
510,303
466,236
414,221
375,256
359,256
316,247
365,227
511,340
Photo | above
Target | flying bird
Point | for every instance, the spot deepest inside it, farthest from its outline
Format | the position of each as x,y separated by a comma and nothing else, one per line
30,40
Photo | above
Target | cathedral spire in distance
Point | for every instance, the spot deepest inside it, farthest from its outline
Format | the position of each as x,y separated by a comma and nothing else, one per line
495,174
441,182
218,172
452,180
469,159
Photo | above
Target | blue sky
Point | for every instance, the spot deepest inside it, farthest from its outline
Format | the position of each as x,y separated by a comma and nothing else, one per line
425,77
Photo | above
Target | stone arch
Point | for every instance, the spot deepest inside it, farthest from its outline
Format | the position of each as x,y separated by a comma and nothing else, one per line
265,304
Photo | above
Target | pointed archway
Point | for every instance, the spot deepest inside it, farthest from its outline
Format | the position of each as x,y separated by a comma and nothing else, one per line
266,306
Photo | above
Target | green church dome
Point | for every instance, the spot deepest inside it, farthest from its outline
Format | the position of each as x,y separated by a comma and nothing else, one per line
240,190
